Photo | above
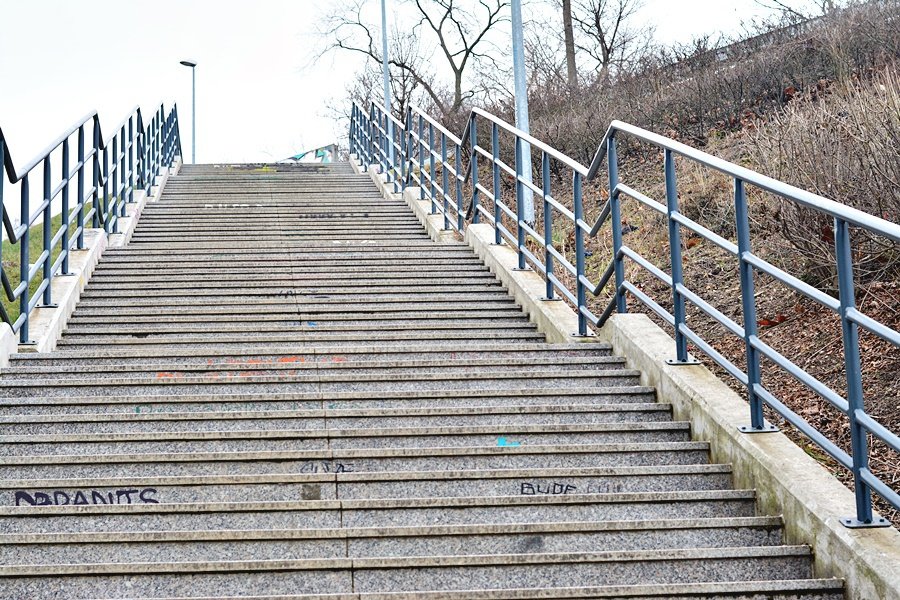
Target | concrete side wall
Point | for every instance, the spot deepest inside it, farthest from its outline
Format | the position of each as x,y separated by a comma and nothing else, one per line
47,324
788,481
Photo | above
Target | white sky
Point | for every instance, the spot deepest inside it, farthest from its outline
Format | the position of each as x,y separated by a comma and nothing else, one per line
258,96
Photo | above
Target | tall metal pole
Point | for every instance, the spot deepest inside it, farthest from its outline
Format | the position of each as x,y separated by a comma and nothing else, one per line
193,65
521,94
386,73
194,115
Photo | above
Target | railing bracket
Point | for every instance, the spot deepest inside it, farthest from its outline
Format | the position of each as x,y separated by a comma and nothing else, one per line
47,306
674,362
854,523
578,335
766,428
546,299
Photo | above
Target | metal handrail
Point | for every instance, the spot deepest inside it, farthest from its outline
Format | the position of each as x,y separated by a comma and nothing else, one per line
369,141
128,159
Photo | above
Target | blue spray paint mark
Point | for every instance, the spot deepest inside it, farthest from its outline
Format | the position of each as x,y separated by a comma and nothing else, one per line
312,324
504,443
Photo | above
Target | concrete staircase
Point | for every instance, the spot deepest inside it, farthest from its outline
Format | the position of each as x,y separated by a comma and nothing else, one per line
282,388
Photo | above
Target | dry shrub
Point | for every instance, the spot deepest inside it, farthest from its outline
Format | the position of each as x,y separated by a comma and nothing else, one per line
844,148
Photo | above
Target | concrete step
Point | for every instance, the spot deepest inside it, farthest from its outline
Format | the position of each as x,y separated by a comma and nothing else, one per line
458,573
287,440
298,420
128,512
418,399
538,538
21,471
427,365
462,350
319,482
794,589
288,382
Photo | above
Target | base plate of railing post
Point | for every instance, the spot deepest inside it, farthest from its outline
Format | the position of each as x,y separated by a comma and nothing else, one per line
854,523
546,299
47,306
674,362
766,428
525,269
578,335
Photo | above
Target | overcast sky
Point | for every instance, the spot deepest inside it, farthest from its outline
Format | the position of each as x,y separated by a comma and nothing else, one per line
259,97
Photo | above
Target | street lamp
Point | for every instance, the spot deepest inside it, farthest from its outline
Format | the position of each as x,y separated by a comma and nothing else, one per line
386,76
193,65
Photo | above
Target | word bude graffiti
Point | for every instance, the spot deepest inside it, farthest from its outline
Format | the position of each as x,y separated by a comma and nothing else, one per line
85,497
556,488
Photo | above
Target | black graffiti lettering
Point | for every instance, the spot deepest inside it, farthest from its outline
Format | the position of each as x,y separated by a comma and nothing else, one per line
58,495
127,494
42,499
526,489
145,496
554,488
26,497
95,496
79,498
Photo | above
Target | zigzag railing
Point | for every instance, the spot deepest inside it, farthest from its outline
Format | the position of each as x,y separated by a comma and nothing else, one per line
130,159
408,154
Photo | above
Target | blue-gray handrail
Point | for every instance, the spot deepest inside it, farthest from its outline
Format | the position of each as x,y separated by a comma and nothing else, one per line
127,160
412,155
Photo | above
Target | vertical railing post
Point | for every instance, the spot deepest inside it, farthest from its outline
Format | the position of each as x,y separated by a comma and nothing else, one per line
548,226
445,180
678,304
407,147
459,194
131,149
81,188
473,142
612,165
114,186
431,170
580,294
855,406
421,158
520,203
24,259
106,212
64,209
95,200
47,230
495,171
748,307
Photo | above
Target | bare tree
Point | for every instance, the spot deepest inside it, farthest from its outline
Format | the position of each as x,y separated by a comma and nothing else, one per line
799,10
457,31
569,37
606,35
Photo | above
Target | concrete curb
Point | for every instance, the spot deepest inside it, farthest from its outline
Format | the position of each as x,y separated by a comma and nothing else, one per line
787,480
47,324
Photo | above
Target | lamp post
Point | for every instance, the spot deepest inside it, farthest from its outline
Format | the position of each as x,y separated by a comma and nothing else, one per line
521,93
193,65
386,75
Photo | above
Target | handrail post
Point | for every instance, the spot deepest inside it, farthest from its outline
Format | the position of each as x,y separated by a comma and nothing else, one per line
445,180
131,159
495,171
612,165
64,209
407,148
850,334
548,226
748,304
47,230
431,171
580,293
520,203
81,188
95,201
24,260
106,211
473,142
421,159
678,304
459,194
